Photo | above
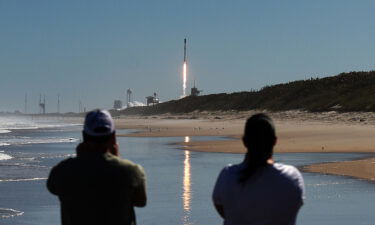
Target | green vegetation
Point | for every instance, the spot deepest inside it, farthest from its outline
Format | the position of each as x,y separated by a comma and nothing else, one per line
354,91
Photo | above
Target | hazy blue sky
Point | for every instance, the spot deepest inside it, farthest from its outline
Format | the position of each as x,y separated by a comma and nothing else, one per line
94,50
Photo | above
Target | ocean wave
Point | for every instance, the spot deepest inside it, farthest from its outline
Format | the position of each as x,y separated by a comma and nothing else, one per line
23,179
10,123
41,126
51,140
5,156
57,156
28,140
330,183
7,213
58,125
5,131
27,158
22,165
28,127
29,123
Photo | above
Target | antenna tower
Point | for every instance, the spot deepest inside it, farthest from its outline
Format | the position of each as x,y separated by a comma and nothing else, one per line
25,103
58,103
42,105
80,107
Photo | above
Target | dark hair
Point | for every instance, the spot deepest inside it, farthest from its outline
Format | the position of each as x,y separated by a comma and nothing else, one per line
259,139
95,139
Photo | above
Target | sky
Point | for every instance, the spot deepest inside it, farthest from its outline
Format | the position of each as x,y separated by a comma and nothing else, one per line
93,51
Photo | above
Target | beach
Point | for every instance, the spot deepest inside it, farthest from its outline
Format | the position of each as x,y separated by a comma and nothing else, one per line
180,155
297,132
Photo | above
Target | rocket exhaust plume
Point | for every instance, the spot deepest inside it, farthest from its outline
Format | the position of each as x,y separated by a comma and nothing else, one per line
184,80
184,72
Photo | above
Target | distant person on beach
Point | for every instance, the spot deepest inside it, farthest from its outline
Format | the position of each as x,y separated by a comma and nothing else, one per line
258,190
97,187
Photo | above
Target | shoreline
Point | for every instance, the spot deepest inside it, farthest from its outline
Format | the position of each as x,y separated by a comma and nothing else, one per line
346,168
298,132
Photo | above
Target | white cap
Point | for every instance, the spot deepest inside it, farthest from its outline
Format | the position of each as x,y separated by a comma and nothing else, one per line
99,123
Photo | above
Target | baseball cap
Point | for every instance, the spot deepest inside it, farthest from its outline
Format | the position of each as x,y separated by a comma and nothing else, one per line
99,123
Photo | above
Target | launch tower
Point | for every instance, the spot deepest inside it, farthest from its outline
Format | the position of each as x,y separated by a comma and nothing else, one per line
128,97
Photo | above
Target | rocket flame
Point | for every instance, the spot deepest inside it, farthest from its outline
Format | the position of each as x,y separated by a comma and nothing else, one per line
184,78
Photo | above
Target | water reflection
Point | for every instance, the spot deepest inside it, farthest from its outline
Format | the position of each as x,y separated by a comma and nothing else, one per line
186,195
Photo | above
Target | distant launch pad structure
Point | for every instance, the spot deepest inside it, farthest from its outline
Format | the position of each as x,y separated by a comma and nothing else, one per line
152,100
195,91
117,104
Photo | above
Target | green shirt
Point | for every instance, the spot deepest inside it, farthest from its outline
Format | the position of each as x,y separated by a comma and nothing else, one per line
97,188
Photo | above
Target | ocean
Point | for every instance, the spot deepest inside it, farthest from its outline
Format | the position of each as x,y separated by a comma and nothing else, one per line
179,182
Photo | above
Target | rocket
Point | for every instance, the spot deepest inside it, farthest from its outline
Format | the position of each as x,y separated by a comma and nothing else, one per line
184,73
185,50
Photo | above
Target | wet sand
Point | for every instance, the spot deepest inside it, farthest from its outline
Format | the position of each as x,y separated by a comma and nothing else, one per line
297,132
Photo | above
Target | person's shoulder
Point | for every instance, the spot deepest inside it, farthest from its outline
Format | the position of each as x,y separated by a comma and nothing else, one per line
125,163
294,176
66,163
63,168
231,169
120,161
226,176
288,170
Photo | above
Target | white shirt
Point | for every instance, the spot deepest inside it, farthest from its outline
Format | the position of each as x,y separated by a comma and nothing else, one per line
272,195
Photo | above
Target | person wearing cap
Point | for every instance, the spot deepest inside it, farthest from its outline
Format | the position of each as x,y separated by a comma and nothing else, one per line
97,186
258,190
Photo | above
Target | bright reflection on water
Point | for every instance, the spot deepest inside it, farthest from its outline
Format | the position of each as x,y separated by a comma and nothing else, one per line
180,185
186,195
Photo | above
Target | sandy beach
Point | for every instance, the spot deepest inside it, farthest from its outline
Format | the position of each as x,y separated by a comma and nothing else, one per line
297,132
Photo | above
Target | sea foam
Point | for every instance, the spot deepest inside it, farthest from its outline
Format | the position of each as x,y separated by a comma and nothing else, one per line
4,156
28,123
23,179
4,131
28,140
7,213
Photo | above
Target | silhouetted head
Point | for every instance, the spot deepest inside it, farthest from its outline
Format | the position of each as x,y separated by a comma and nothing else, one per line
99,129
259,137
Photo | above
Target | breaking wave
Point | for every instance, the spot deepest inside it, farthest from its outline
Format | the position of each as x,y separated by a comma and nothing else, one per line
27,123
4,156
7,213
50,140
28,140
4,131
23,179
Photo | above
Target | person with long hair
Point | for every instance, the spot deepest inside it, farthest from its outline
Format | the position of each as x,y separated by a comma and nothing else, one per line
258,190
